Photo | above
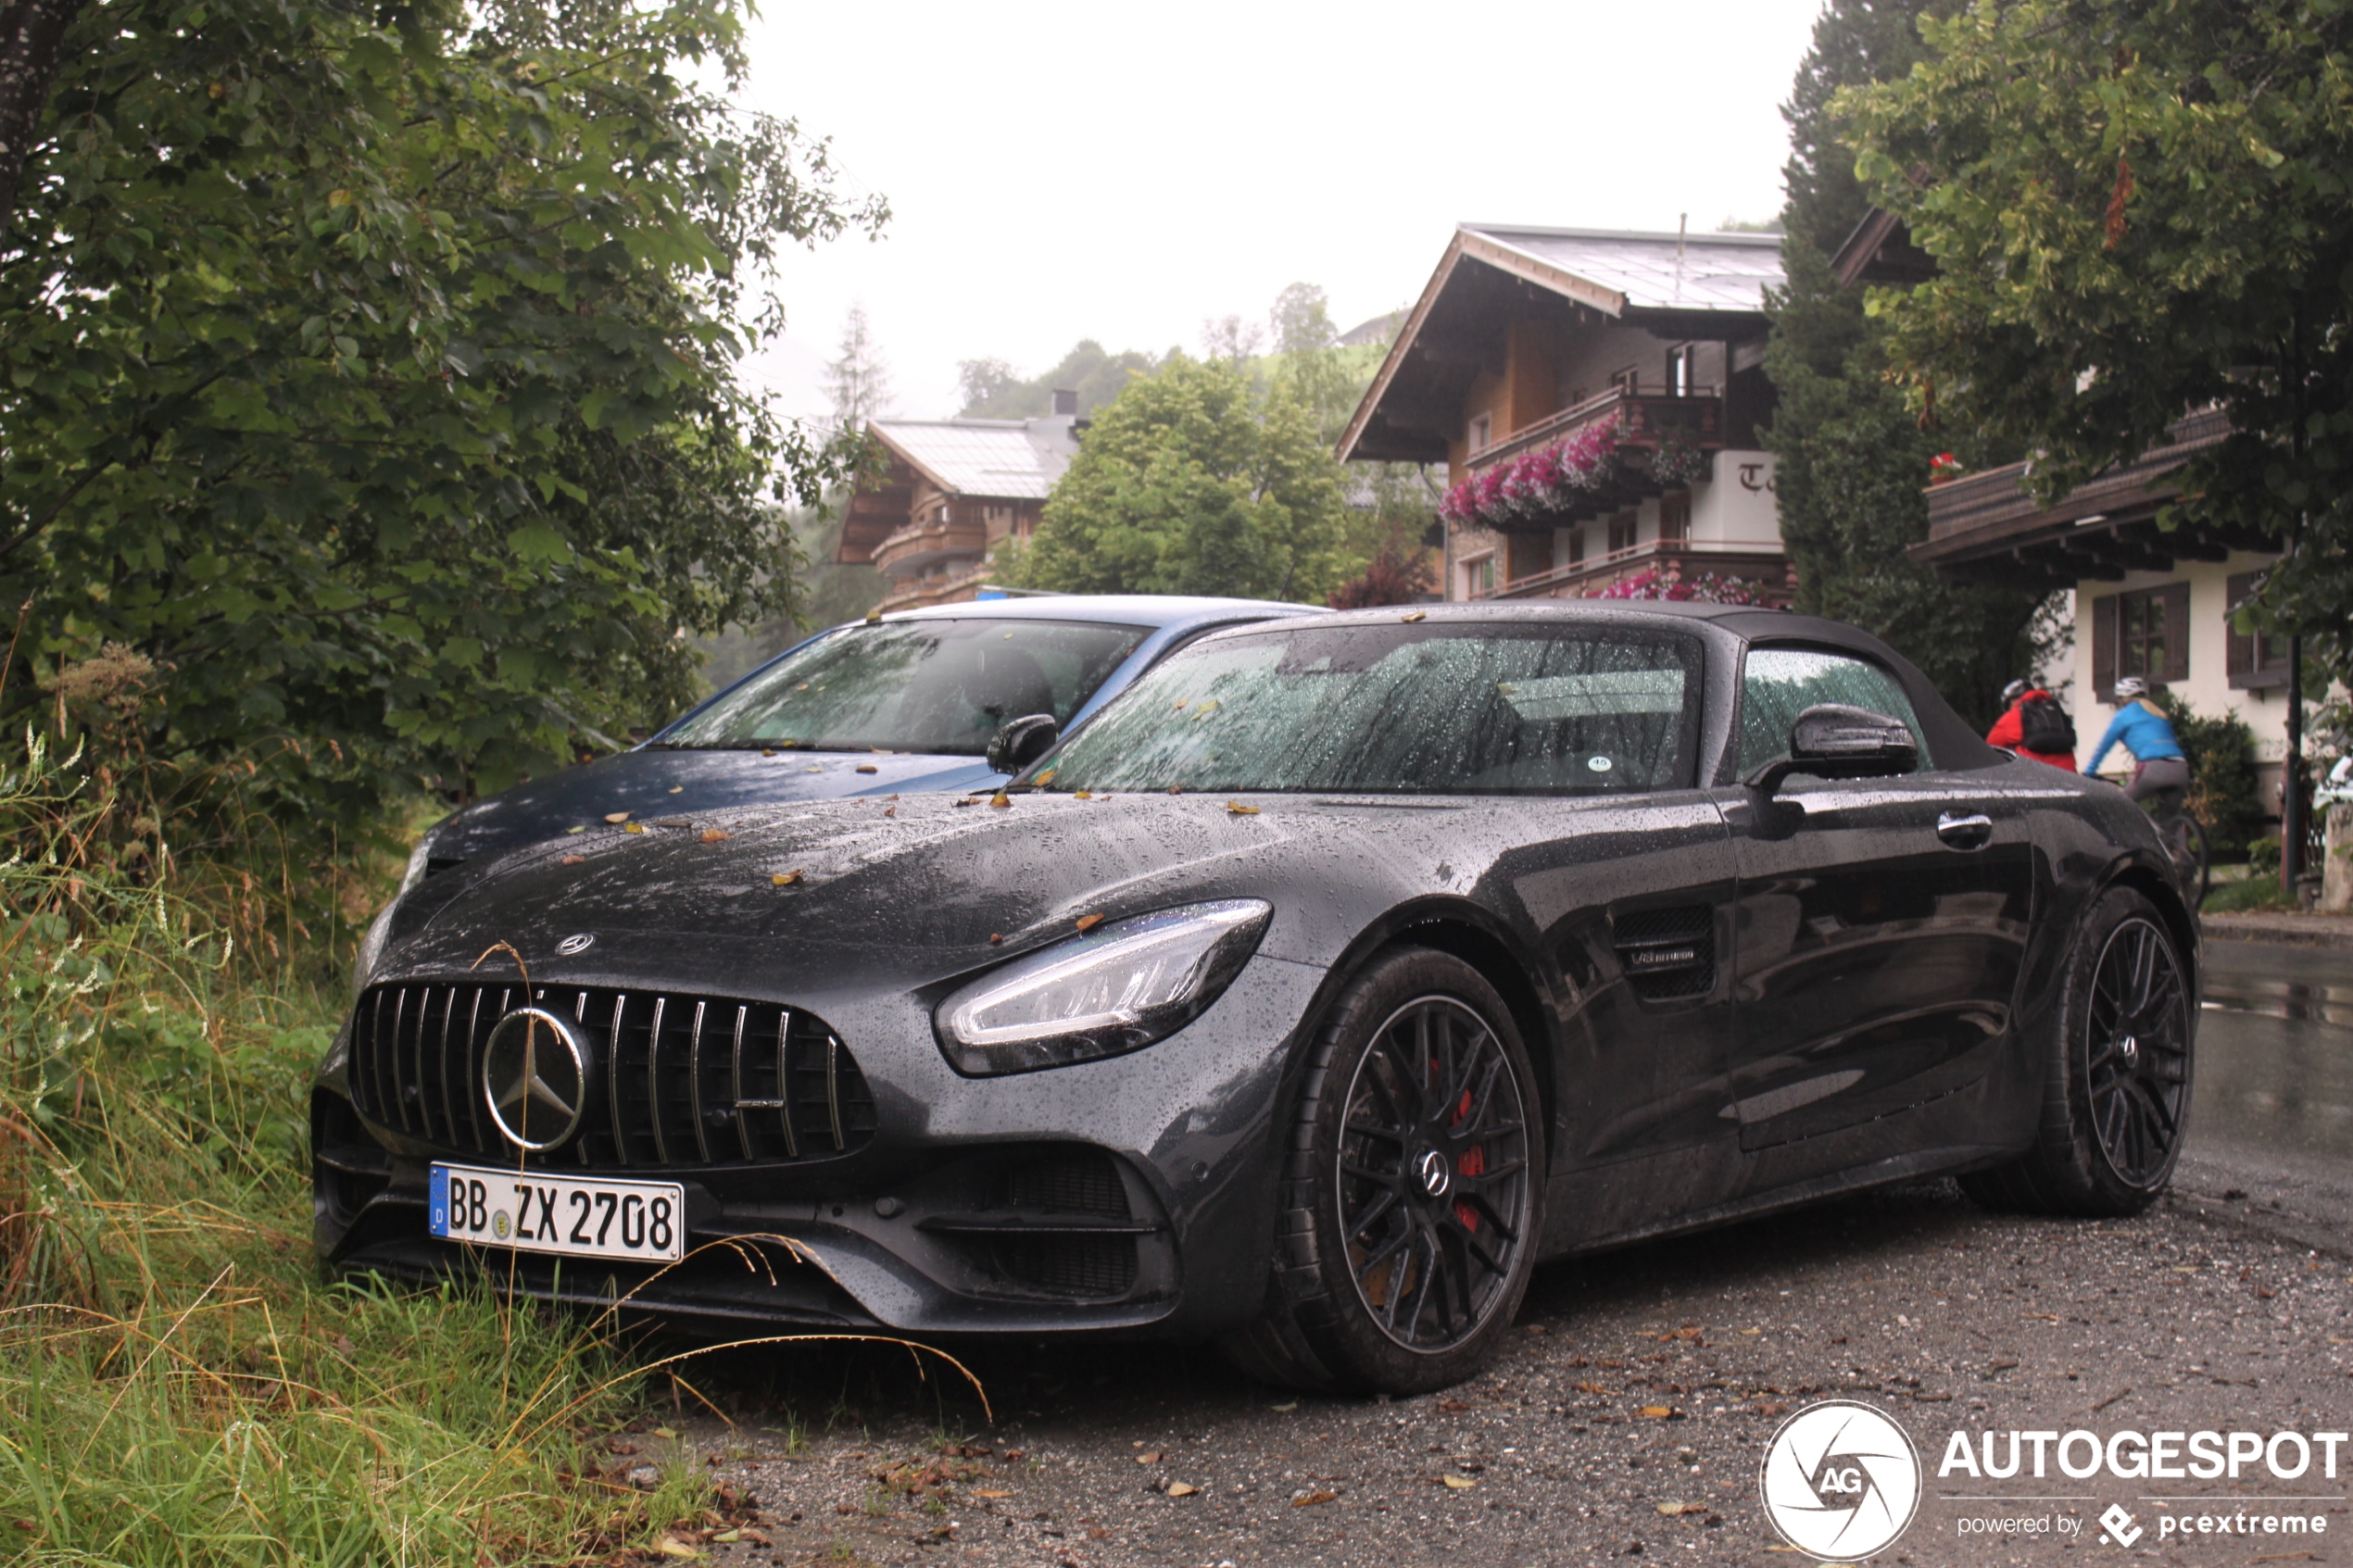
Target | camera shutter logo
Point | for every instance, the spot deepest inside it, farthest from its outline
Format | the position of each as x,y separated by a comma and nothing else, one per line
1841,1481
535,1078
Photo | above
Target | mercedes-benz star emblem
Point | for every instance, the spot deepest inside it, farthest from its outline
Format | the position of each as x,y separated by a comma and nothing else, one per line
578,942
535,1078
1436,1177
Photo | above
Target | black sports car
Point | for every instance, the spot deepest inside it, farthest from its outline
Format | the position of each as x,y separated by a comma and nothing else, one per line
1339,973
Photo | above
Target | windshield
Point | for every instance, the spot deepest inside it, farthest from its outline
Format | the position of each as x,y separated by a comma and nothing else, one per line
915,685
1447,708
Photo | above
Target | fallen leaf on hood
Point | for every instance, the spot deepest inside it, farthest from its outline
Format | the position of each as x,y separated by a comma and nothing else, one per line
1046,777
766,751
1089,922
1418,615
677,789
632,827
873,618
1075,795
1324,1493
996,938
1178,1489
1458,1482
574,861
581,828
815,767
1176,789
867,768
890,811
712,835
969,800
785,879
1239,810
1292,1406
618,817
1000,799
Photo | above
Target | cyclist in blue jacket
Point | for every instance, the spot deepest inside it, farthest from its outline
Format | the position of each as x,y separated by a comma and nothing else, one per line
2160,767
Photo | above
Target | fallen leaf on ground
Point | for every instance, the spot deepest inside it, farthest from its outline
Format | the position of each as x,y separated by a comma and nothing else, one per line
574,861
1239,810
1321,1494
786,879
1089,922
712,835
1292,1406
1458,1482
1178,1489
1588,1387
670,1546
990,1492
1672,1508
618,817
1148,1459
1656,1412
664,1432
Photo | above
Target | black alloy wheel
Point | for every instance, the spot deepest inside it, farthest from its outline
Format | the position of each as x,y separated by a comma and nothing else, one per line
2139,1051
2116,1061
1431,1175
1410,1201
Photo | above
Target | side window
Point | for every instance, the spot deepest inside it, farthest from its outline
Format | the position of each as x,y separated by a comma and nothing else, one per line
1777,684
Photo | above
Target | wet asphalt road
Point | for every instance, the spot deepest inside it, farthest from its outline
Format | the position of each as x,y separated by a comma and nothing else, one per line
1629,1417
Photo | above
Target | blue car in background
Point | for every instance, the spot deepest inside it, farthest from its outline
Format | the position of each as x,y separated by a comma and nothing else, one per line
905,704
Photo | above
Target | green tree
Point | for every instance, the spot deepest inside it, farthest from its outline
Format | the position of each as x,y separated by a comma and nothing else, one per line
1189,483
992,390
2139,208
1853,459
372,373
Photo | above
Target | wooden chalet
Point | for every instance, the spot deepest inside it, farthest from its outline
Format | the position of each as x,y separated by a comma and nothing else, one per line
1527,338
950,492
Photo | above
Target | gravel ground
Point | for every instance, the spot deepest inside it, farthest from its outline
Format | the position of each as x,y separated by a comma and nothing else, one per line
1627,1417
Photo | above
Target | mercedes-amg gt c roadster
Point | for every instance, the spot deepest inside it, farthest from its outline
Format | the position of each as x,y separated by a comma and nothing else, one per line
1339,973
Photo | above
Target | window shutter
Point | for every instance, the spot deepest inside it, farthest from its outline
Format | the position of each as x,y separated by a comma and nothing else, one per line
2176,597
2104,648
2239,646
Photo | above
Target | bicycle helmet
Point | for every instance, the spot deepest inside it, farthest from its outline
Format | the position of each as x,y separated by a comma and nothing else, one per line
2015,690
2132,688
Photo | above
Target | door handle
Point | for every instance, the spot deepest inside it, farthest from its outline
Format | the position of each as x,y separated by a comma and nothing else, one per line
1965,830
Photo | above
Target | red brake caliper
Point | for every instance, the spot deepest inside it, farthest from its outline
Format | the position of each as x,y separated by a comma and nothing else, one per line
1472,1163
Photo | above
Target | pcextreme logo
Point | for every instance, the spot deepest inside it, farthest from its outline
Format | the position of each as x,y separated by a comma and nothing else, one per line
1841,1481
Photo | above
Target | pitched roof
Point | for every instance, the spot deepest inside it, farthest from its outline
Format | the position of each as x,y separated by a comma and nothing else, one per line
1002,459
1640,271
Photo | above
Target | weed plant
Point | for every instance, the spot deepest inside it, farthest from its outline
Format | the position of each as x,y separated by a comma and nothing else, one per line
177,1385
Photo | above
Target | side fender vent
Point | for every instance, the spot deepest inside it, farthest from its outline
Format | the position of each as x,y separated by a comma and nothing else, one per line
1667,954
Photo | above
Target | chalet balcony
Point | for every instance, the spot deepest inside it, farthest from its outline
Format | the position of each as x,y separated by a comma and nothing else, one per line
1765,565
949,587
918,546
1643,418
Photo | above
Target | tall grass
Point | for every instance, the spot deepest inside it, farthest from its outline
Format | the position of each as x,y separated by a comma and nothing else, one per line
177,1385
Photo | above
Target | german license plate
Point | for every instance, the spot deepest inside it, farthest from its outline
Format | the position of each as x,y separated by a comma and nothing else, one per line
643,1222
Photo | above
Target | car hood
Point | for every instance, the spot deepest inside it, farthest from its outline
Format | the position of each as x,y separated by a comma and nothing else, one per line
655,781
897,891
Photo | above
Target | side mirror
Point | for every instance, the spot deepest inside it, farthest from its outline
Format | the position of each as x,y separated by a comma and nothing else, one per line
1020,742
1833,741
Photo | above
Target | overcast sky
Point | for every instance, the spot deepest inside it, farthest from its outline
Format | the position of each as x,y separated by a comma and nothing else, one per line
1124,172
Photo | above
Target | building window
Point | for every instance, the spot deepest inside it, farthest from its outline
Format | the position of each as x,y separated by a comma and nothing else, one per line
1621,532
1675,518
1526,555
1577,546
1682,361
2258,660
1624,381
1479,577
2145,632
1482,433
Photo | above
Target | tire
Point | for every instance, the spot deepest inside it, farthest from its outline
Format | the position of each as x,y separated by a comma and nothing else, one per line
1408,1213
2117,1075
2185,841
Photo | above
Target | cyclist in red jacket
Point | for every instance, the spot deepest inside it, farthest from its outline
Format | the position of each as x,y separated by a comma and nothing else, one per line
2034,725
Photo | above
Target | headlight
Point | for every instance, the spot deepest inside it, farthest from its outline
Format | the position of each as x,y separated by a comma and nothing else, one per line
1115,989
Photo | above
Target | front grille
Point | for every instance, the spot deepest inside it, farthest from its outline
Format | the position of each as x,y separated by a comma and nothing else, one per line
675,1080
1070,1265
1667,954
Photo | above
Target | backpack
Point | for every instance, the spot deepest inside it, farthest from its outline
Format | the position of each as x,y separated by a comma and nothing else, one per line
2043,726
